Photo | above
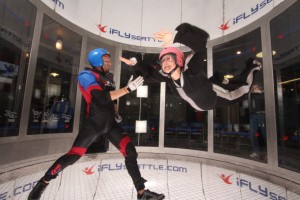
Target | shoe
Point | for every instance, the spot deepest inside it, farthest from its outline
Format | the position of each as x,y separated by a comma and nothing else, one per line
225,81
38,190
259,64
253,155
252,66
150,195
252,63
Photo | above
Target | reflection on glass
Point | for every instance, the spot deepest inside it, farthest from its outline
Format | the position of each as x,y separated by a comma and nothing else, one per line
285,37
129,105
16,29
185,127
55,82
239,129
256,102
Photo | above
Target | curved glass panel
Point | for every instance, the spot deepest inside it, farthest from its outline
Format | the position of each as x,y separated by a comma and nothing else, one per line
16,29
55,80
285,37
133,108
239,129
185,127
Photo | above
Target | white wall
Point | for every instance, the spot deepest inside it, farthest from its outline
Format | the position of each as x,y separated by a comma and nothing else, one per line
177,179
134,21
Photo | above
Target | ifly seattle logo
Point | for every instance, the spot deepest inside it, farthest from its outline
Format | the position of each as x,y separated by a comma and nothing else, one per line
245,15
252,187
58,3
122,34
226,179
102,28
88,170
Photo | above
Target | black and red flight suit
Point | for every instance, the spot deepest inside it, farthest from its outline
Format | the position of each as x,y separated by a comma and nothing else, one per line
95,86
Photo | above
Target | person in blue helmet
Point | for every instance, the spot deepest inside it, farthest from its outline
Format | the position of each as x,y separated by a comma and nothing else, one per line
99,93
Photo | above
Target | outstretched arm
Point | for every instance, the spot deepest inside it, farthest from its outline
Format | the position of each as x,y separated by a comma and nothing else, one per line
130,62
131,86
147,71
187,34
191,36
165,36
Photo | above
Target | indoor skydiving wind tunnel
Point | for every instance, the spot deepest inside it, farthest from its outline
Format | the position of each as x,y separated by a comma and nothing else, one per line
248,150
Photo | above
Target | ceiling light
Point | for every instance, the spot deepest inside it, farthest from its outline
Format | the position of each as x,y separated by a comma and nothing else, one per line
54,74
58,44
228,76
289,81
260,54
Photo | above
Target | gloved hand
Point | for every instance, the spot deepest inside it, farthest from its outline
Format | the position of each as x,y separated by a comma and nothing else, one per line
131,62
118,118
134,84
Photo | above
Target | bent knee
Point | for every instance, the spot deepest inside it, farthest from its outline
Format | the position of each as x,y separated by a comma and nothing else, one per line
80,151
131,151
127,148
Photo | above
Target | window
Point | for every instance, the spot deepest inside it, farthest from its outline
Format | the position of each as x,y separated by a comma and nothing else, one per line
185,127
285,38
55,80
239,129
16,29
132,108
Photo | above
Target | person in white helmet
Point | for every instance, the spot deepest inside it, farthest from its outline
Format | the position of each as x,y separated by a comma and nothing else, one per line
184,75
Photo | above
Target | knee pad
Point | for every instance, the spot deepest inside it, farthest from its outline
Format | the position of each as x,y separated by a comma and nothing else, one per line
77,150
74,154
123,145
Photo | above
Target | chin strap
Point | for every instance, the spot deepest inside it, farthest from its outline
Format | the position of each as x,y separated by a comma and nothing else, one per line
100,69
171,72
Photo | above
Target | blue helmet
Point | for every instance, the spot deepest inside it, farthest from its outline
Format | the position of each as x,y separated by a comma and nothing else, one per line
95,57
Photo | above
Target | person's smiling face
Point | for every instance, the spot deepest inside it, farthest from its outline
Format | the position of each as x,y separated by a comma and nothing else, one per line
107,63
168,63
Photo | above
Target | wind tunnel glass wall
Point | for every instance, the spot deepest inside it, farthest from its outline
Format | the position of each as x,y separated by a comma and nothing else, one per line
55,80
16,29
129,105
239,129
285,38
185,127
